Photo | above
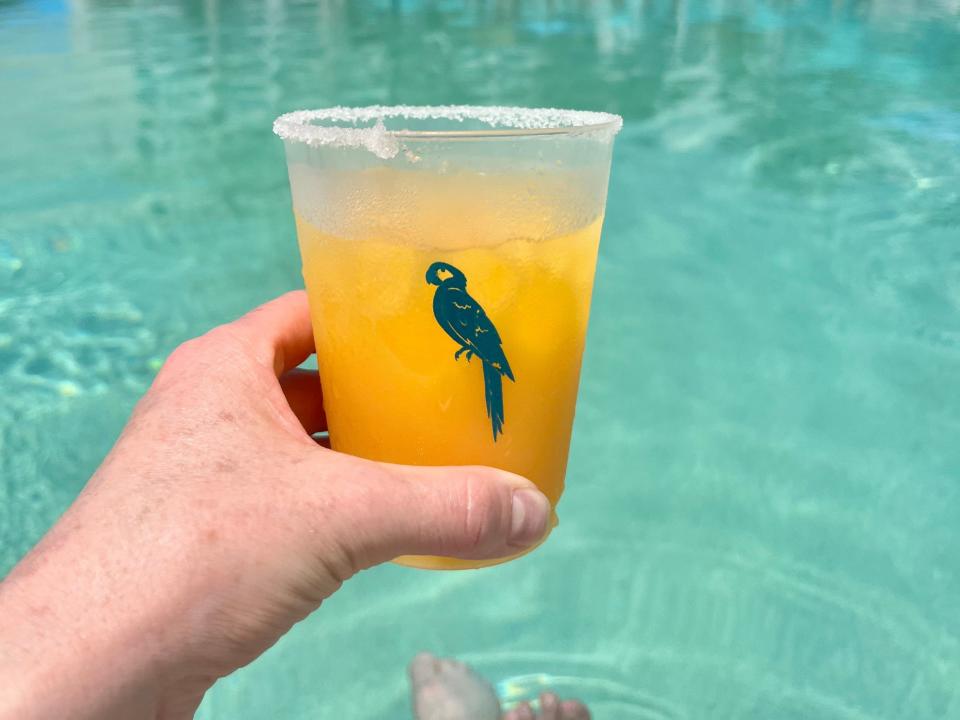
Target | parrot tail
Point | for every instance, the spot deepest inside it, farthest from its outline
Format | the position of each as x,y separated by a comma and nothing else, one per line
493,389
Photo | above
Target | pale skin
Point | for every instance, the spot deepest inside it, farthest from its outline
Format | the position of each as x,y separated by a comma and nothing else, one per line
216,523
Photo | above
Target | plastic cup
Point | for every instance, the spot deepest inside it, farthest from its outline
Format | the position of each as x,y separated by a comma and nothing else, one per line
448,255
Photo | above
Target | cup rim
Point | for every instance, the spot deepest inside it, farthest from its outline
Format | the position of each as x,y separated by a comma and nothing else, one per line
504,122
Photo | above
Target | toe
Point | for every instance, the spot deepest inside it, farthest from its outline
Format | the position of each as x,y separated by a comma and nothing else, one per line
523,711
573,710
423,668
549,706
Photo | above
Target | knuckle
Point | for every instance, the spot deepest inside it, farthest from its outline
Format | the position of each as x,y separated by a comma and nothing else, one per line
193,359
183,358
482,510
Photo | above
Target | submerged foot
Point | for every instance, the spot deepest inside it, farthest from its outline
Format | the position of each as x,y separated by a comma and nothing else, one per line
551,708
445,689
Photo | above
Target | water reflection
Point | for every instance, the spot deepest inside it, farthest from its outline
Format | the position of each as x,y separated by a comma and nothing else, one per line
788,83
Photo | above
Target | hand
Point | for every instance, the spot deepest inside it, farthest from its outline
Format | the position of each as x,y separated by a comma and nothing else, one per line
215,524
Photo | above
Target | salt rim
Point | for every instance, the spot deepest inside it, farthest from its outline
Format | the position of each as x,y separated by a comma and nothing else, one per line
385,144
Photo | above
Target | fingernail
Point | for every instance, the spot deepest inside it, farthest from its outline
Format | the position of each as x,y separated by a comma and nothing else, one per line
531,511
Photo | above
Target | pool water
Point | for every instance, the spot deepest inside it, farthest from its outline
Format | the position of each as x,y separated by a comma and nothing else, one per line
763,509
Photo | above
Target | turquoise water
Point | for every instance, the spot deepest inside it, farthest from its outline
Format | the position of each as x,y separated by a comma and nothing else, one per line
763,513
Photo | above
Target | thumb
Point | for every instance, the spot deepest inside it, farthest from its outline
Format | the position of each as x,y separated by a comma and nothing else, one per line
466,512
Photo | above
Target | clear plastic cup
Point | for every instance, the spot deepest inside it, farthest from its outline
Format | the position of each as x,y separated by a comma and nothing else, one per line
448,255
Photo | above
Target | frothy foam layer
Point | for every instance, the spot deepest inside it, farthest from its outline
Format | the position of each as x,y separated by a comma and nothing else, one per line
300,126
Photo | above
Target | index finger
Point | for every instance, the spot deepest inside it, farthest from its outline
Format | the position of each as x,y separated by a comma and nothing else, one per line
279,331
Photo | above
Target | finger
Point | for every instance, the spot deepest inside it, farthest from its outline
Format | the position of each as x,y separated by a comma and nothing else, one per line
279,331
302,390
465,512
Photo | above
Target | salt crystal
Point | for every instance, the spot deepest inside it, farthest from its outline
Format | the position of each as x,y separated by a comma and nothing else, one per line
300,125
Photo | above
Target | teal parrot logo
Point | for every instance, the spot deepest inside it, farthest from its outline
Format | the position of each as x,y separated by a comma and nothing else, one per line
462,318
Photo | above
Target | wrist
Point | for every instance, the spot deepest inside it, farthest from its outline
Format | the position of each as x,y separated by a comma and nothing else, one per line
54,667
75,640
16,689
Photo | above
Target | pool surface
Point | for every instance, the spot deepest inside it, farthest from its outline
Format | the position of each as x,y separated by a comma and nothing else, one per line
762,517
